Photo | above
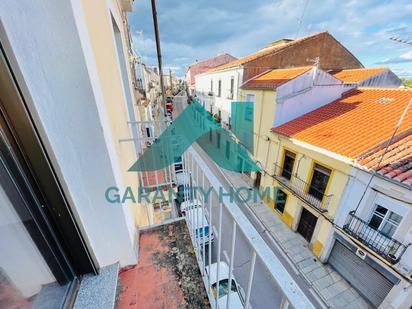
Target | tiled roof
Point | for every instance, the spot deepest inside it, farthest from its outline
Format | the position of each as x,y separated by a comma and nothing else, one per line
203,66
397,162
359,121
356,75
275,78
276,47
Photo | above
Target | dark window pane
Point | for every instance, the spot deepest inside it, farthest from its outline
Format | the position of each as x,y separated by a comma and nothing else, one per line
375,222
319,182
288,163
381,210
280,201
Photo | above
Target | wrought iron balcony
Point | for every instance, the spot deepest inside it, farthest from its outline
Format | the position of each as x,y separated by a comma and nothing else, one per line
302,189
387,247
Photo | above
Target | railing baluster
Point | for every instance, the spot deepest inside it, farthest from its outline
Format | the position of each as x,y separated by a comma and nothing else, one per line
382,244
250,280
300,187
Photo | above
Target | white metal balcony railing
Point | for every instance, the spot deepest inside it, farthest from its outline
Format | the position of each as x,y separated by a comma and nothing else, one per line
236,242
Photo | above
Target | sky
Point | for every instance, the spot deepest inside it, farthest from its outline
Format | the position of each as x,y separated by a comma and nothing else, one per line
193,30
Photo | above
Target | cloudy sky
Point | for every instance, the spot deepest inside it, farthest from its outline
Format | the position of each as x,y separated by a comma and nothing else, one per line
193,30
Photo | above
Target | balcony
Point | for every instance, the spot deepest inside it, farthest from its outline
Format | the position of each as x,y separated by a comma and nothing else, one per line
387,247
302,189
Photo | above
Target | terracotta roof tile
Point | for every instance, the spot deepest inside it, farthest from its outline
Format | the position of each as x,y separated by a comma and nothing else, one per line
275,78
278,46
359,121
356,75
397,162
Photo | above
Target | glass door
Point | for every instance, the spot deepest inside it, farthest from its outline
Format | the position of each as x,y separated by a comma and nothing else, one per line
33,271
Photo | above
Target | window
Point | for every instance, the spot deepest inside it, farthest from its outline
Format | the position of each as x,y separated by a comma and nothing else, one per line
280,200
218,139
288,162
250,97
249,113
219,88
227,150
319,182
210,134
232,87
230,123
385,221
211,87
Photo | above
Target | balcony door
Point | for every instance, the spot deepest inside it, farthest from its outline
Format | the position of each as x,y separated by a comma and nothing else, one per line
42,252
288,163
33,272
319,182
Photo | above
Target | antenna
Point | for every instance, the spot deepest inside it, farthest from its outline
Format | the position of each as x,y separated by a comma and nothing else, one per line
400,40
316,61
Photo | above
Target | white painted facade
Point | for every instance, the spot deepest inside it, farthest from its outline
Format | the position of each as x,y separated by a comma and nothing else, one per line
50,51
295,98
304,94
209,95
396,198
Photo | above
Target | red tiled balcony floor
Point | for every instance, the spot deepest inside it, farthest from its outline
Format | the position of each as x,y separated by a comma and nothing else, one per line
167,275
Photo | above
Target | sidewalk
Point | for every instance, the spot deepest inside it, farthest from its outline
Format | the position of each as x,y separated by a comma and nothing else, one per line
326,282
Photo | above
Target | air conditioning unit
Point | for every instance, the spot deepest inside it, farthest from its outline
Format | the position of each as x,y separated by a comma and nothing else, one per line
362,254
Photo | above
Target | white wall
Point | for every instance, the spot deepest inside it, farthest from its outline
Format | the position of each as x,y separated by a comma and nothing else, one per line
389,194
55,69
304,94
222,102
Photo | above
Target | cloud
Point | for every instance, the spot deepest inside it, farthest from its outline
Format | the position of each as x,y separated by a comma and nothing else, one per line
406,57
199,29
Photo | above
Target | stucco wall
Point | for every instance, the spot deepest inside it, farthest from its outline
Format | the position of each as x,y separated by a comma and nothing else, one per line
304,94
387,194
56,70
223,102
100,28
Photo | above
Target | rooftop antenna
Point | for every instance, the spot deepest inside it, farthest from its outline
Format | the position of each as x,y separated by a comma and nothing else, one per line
400,40
316,64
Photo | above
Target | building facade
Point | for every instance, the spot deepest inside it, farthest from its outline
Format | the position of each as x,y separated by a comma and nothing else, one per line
202,66
373,225
220,86
67,96
356,223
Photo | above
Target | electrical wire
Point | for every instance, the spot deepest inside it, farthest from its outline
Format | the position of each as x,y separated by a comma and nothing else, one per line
405,111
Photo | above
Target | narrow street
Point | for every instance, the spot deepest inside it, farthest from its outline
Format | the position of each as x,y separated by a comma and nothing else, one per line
266,291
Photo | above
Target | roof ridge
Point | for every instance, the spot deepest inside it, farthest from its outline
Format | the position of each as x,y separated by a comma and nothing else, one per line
386,89
269,48
359,69
211,58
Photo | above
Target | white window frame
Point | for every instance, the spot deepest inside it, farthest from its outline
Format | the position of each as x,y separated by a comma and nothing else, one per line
385,219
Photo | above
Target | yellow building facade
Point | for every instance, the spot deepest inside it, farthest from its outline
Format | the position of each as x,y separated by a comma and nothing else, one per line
270,150
110,42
